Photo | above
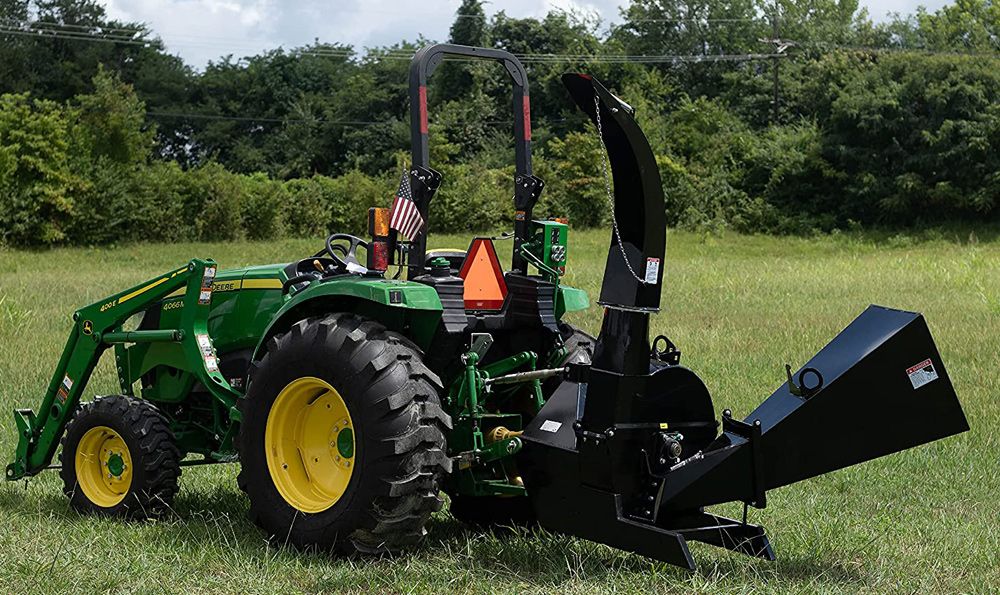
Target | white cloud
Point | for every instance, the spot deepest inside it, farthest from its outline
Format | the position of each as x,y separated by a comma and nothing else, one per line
203,30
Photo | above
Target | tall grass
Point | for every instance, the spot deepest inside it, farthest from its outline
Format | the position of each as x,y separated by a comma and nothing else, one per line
739,307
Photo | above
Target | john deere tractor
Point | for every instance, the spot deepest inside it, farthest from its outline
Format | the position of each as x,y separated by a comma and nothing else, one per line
355,384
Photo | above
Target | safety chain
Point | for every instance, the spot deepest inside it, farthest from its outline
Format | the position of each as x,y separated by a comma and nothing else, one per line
607,187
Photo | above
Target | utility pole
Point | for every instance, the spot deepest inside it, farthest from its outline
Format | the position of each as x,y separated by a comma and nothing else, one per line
780,45
776,34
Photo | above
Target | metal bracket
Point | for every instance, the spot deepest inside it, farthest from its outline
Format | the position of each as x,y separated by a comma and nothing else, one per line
752,433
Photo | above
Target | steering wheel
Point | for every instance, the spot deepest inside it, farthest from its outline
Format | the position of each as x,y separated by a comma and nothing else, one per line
349,261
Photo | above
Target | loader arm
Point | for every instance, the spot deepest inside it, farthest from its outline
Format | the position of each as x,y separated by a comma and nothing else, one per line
99,326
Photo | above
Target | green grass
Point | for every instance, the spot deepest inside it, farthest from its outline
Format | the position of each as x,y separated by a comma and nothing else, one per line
926,520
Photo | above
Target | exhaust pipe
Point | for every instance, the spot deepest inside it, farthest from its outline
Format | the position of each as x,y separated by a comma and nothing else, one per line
627,451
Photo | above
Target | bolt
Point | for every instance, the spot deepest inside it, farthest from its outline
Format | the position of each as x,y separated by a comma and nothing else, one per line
109,476
663,461
348,463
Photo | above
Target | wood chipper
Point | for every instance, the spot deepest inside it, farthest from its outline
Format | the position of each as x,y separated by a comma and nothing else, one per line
354,385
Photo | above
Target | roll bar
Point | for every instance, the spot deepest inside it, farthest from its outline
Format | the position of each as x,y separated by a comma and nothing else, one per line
427,59
527,188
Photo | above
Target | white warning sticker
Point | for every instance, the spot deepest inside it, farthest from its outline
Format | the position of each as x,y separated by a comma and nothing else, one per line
652,270
922,373
551,426
205,344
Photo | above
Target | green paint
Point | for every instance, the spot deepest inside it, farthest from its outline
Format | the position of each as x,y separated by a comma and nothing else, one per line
570,299
116,464
345,443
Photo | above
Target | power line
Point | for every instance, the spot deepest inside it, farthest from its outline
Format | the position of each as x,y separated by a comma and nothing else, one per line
346,123
404,55
36,34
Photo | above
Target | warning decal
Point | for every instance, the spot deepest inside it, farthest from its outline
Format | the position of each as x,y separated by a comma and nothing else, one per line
922,373
551,426
652,270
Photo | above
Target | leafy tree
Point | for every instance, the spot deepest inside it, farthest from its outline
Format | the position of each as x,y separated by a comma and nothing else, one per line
454,79
36,199
112,122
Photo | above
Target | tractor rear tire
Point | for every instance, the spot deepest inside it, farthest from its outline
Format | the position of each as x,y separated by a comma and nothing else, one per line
310,483
119,458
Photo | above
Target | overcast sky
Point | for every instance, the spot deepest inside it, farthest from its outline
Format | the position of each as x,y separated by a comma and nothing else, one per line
202,30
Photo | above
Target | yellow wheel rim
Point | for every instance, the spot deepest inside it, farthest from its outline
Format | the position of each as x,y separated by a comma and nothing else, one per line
103,466
309,443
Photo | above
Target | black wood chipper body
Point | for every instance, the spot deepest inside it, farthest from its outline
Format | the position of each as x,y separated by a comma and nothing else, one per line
628,450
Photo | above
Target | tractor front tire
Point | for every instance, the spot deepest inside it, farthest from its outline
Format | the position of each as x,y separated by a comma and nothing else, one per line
119,458
342,442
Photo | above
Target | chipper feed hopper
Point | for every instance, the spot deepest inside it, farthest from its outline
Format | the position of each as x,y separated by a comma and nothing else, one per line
351,397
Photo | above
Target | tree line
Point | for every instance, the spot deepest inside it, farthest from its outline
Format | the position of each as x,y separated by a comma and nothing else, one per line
778,117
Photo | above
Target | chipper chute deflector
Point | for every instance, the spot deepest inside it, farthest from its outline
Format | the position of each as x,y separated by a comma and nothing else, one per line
352,397
627,451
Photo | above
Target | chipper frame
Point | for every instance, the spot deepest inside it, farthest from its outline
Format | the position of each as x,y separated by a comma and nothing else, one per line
627,452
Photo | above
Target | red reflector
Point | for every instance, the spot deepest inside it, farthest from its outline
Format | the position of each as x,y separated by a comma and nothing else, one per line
380,255
485,288
526,107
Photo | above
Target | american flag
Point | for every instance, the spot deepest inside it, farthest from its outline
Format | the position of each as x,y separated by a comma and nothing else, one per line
405,217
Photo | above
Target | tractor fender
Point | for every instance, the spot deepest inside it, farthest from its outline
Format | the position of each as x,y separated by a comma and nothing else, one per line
412,309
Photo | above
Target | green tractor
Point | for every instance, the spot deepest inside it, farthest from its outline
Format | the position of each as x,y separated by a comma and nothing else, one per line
352,397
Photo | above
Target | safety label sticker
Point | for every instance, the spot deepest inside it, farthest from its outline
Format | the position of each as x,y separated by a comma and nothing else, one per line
205,344
67,382
551,426
921,373
652,270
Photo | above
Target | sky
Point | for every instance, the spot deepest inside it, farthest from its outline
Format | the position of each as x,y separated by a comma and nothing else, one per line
203,30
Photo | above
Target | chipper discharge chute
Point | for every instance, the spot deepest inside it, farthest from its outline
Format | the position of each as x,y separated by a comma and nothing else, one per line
627,451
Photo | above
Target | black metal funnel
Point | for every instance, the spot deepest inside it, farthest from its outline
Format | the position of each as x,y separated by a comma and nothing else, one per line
878,388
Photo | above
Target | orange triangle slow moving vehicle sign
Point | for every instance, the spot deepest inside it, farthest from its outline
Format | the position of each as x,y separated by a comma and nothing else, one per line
485,288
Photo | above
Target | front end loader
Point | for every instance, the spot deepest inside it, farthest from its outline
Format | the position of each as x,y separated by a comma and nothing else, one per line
356,384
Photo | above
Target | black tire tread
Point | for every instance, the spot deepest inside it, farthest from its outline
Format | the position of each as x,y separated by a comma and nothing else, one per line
157,455
412,463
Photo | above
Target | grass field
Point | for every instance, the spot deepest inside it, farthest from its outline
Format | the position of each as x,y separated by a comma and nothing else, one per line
926,520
